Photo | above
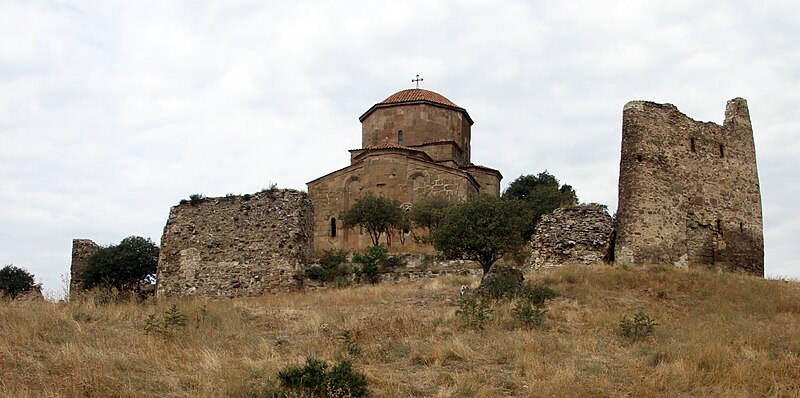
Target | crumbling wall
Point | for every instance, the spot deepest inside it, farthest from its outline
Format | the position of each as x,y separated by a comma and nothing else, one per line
82,249
236,246
688,191
578,234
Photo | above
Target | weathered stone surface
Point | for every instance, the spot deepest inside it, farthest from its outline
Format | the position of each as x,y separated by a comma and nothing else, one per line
414,266
236,245
578,234
689,191
82,249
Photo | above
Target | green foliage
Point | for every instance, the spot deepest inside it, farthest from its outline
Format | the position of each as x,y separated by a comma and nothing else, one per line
369,262
341,282
314,378
196,199
376,214
482,229
541,194
168,323
127,267
537,294
474,310
330,265
528,314
15,281
500,286
640,326
429,212
349,340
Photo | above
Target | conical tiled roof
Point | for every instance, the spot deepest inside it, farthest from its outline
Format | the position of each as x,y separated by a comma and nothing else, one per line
417,94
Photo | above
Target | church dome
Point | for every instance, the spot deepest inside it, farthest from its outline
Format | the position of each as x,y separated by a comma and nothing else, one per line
415,96
418,94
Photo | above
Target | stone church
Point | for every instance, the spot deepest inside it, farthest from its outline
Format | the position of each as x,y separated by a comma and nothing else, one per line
415,143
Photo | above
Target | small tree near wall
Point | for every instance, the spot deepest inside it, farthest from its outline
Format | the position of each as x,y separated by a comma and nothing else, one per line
376,214
482,229
127,267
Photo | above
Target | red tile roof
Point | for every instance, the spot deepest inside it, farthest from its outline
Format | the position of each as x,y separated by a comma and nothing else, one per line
418,94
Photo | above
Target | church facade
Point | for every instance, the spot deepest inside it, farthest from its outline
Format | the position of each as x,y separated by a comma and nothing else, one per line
415,143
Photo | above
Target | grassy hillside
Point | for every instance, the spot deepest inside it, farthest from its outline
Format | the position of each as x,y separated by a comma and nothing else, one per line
717,335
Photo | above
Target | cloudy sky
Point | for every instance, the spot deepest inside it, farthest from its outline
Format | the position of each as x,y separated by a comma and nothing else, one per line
111,112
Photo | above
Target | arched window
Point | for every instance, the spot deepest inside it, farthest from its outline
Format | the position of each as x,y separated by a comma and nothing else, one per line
333,227
400,137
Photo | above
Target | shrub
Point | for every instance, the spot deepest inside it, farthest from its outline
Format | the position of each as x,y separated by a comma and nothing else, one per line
196,199
474,310
315,378
640,326
349,340
501,287
368,263
15,281
329,265
537,294
529,314
168,323
342,282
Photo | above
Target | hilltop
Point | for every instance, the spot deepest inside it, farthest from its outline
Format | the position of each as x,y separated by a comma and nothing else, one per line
717,334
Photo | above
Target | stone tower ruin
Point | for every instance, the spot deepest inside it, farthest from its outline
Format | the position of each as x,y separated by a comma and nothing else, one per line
688,191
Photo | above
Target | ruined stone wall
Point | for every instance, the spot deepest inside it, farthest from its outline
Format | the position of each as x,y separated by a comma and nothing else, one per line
236,246
415,266
579,234
82,249
689,191
393,176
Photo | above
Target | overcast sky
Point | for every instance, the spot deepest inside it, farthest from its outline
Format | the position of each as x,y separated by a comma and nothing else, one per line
112,112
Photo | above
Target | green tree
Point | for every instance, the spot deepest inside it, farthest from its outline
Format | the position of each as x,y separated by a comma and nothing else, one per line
541,194
482,229
15,281
429,212
376,214
127,267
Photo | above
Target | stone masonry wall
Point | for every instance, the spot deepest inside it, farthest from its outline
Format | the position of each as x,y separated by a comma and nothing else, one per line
421,123
390,175
688,191
579,234
236,246
82,249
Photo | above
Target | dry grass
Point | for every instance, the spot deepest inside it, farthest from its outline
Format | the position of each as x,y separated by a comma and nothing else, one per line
718,335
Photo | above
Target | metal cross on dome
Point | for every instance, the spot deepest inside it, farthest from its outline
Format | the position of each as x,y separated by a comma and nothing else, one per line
417,80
